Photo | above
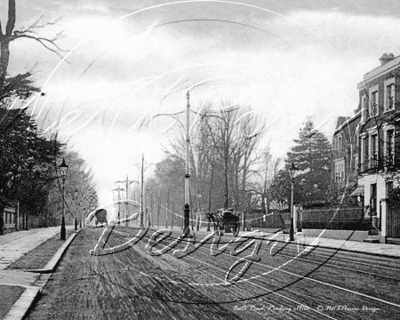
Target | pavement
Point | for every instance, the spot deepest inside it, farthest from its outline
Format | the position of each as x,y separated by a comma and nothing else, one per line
379,249
15,245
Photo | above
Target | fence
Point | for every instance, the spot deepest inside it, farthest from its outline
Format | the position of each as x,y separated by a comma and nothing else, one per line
272,221
41,221
345,218
10,219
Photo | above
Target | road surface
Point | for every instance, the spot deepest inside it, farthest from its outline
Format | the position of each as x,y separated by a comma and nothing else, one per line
149,275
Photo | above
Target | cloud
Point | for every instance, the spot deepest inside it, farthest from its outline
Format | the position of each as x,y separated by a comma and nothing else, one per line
305,63
351,34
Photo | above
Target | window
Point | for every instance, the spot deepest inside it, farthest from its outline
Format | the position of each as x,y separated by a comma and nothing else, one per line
365,153
374,151
389,96
389,188
372,201
373,110
389,147
339,144
339,171
9,217
364,105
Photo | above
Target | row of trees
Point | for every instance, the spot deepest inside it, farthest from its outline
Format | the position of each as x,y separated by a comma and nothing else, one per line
224,158
29,171
230,169
29,159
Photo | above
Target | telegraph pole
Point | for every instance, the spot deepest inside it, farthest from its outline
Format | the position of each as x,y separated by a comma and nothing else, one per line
119,203
127,183
186,229
126,199
141,194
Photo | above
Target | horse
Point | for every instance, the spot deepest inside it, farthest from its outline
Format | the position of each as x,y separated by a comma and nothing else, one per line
224,217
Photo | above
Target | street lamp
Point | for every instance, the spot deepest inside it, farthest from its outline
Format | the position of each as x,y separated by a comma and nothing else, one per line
63,169
76,195
292,172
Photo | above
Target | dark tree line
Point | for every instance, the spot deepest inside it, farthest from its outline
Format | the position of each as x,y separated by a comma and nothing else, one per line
28,158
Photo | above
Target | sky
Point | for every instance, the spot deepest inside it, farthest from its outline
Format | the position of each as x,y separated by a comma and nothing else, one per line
127,61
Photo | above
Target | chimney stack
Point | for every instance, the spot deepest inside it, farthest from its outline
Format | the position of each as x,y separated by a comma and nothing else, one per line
386,58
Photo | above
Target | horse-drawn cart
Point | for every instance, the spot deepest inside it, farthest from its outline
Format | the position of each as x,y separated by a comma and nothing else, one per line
225,219
101,217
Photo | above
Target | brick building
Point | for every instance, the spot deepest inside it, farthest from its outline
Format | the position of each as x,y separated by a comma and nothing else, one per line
376,137
345,152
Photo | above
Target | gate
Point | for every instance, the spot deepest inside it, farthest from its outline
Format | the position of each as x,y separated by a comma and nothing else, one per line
393,221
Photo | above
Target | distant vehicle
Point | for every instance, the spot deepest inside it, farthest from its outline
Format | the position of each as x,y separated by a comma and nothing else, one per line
225,218
101,216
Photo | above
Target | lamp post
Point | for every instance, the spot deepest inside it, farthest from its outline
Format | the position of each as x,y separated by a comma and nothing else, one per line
63,169
76,195
292,172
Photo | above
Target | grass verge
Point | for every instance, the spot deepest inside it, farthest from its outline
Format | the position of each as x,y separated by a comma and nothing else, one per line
38,257
8,296
34,259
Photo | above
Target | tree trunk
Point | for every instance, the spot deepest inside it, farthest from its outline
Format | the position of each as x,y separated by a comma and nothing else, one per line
5,45
244,180
226,191
4,60
172,215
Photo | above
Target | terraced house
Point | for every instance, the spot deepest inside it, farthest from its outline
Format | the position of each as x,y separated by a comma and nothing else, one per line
378,145
345,151
366,150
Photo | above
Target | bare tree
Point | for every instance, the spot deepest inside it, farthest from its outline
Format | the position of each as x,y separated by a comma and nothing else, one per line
235,133
223,157
21,84
262,187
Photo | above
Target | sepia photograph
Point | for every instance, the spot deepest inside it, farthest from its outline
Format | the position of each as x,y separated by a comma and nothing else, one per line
199,159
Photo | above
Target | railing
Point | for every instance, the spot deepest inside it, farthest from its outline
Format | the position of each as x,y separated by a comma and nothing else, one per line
375,164
9,219
347,218
267,221
344,218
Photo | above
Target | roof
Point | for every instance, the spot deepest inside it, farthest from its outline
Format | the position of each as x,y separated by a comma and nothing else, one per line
378,71
347,121
358,192
340,121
